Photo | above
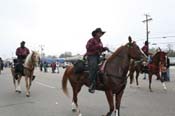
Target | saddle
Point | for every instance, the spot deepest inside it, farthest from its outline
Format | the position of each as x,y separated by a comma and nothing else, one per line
19,68
81,66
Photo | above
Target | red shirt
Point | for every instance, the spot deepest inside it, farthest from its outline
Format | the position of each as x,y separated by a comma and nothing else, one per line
94,46
23,52
145,49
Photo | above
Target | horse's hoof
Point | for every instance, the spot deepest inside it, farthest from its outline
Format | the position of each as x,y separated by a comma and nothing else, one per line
27,95
138,86
33,78
18,91
131,86
74,110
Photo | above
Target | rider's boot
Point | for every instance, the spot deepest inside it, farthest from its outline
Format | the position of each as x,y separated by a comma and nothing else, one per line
92,88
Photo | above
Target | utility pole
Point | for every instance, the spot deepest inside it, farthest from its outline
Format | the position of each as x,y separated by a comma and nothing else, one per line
147,30
42,48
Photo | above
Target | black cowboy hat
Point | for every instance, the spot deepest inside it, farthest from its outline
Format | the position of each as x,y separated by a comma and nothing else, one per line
97,30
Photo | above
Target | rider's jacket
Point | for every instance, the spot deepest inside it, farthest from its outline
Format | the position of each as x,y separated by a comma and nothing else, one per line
22,52
145,49
94,46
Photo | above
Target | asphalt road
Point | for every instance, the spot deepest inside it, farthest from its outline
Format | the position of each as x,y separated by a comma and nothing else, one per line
47,98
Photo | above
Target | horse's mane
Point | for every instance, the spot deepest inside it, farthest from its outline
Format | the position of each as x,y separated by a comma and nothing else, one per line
157,53
29,58
114,54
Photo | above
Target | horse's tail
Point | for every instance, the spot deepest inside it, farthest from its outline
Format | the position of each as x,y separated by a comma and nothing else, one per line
64,81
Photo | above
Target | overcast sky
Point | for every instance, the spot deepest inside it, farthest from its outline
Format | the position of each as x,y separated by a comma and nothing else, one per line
66,25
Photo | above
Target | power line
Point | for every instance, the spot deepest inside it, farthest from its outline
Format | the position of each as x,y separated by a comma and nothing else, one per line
160,37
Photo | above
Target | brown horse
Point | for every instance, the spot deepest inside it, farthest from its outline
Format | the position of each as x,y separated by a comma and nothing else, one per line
29,65
114,78
153,68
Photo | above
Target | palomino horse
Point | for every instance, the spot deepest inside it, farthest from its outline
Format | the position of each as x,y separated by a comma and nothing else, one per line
28,70
153,68
114,78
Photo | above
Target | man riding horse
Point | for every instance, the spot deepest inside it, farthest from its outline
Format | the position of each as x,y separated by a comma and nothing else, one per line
94,49
22,52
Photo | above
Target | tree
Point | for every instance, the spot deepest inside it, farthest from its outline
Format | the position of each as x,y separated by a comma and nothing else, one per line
65,55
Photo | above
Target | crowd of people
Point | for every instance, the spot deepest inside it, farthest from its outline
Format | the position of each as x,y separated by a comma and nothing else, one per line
54,66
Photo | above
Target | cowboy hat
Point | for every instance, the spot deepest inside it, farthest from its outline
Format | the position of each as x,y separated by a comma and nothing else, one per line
97,30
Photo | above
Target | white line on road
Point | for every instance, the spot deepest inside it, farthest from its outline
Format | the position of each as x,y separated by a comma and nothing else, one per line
45,85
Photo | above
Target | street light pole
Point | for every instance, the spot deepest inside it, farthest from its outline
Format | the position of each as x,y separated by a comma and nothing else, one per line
42,48
147,30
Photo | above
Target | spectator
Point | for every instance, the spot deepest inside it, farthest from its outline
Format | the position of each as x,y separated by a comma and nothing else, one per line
163,71
168,70
1,64
45,66
53,66
57,66
41,66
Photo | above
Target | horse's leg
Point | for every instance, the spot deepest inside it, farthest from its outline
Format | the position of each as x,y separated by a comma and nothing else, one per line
109,96
118,102
18,89
76,89
30,81
13,75
27,87
137,75
14,82
150,81
131,74
162,81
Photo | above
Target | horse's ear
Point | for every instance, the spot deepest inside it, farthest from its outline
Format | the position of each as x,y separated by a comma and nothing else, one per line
130,42
129,39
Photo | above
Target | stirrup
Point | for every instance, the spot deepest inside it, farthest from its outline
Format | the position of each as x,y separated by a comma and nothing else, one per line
92,90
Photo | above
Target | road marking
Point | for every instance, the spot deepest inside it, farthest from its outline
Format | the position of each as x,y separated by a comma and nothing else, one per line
45,85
